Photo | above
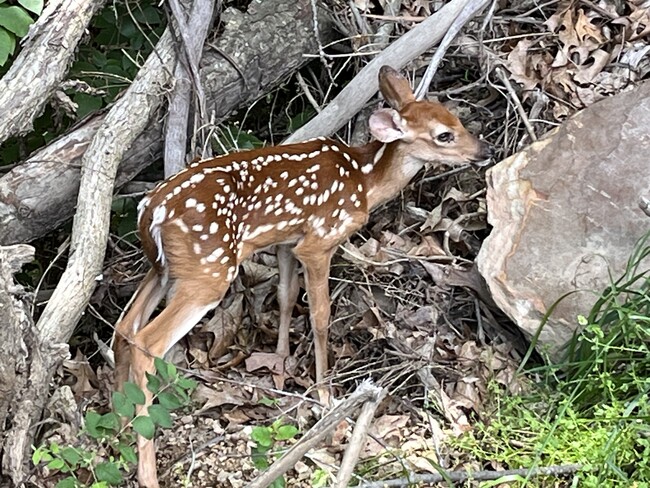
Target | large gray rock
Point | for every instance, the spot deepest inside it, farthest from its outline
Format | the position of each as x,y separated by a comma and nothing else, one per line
565,213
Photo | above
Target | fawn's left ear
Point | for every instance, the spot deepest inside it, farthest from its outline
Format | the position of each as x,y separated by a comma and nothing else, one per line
387,125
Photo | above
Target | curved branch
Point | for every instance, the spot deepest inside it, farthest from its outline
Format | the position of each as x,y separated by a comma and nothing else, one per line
43,62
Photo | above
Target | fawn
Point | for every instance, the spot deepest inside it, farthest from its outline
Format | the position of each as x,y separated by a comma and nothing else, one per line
199,225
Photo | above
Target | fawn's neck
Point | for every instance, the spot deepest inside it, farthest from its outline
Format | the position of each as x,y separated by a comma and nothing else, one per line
392,169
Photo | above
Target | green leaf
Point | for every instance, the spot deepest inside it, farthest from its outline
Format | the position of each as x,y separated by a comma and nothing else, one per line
169,400
262,435
286,432
108,472
109,421
15,20
41,454
134,393
187,384
268,402
69,482
128,453
160,416
35,6
258,456
148,14
92,424
165,372
144,426
86,104
7,45
71,456
153,383
122,405
56,463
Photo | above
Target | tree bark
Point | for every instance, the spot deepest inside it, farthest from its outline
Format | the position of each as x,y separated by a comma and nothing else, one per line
267,44
193,31
43,62
15,323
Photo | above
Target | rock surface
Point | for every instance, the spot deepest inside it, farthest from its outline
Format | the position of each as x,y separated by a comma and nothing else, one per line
565,213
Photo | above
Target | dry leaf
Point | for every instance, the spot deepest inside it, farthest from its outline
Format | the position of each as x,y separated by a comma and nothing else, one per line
269,360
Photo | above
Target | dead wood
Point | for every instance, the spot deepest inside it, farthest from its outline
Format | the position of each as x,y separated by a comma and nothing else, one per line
366,392
192,32
37,71
15,322
257,50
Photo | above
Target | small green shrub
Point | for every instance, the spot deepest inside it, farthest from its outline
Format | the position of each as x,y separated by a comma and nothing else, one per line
83,464
267,440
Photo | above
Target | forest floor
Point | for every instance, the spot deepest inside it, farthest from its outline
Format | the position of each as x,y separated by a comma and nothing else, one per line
405,311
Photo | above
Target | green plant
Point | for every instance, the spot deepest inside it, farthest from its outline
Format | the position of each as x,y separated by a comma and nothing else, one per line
84,465
266,440
593,408
14,24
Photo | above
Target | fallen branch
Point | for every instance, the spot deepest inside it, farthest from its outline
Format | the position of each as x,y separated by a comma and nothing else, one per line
43,62
358,440
192,33
462,476
354,96
366,392
464,16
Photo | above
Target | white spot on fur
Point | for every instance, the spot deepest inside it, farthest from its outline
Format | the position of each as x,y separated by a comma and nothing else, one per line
159,215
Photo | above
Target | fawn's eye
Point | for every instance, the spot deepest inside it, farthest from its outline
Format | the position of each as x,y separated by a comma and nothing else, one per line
445,137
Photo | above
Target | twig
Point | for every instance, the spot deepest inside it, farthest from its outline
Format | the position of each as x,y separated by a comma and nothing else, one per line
517,102
321,50
358,440
461,476
307,92
365,392
459,22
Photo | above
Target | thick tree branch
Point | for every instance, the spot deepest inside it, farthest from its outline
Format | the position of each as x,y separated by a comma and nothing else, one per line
267,44
43,62
128,118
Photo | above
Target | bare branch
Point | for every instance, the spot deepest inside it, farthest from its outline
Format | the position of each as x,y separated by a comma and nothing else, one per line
43,62
193,34
353,97
364,393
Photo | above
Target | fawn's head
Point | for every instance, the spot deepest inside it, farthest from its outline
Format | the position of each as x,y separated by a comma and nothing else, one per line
431,132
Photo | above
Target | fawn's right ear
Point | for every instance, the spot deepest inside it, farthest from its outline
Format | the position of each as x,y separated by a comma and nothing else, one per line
387,125
395,88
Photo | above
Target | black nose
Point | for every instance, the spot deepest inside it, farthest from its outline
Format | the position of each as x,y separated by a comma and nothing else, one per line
486,151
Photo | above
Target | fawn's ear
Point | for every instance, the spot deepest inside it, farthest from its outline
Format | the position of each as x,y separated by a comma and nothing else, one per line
387,125
395,88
